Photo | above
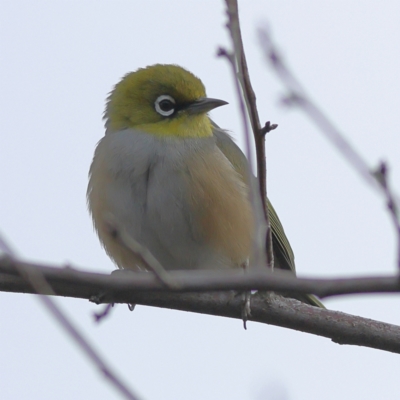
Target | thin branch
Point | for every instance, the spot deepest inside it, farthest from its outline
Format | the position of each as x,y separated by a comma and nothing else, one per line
35,280
249,95
146,257
297,96
262,230
381,175
268,127
72,280
87,348
250,99
5,247
265,308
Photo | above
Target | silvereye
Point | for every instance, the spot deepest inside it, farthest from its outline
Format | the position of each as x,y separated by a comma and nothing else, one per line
173,180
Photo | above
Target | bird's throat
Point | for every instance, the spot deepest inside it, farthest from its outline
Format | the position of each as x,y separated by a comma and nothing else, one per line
185,126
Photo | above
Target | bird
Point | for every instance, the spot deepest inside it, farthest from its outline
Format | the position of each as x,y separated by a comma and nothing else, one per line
173,180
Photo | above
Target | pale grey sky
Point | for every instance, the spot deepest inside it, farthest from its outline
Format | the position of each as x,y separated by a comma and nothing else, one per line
59,61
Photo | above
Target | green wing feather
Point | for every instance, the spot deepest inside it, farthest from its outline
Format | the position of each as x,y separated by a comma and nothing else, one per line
283,253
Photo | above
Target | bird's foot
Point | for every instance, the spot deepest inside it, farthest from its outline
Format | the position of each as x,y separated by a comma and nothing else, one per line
102,296
246,308
122,272
98,316
246,295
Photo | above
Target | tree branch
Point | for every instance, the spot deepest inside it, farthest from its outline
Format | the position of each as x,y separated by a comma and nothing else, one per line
84,284
297,97
146,289
250,99
37,283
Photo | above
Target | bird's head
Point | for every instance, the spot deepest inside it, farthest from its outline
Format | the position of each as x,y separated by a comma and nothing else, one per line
164,100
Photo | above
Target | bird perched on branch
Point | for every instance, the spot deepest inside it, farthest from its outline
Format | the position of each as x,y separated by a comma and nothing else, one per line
172,180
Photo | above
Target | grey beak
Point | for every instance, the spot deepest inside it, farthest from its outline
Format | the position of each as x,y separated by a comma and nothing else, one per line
204,105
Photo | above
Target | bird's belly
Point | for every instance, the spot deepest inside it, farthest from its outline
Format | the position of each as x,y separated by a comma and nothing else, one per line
188,217
172,221
157,215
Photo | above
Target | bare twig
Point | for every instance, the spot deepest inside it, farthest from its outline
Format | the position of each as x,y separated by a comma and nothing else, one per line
72,281
37,283
87,348
249,95
341,328
297,96
262,230
250,98
5,247
268,127
381,175
145,256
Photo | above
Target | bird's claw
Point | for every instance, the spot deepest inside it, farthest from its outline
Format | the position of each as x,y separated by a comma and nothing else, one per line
98,316
246,308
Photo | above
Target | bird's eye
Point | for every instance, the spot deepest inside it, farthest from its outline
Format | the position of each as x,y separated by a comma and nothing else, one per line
165,105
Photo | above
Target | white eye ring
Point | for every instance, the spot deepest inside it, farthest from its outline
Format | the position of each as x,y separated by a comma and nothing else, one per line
165,105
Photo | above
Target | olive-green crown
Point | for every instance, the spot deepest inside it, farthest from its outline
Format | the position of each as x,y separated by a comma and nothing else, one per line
131,102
